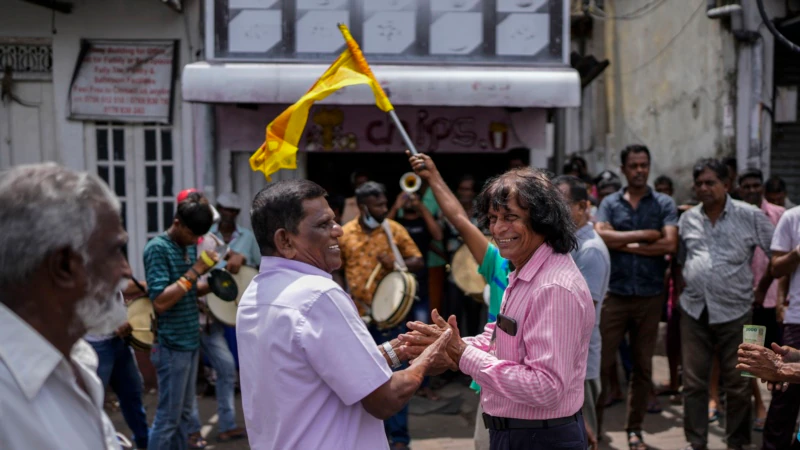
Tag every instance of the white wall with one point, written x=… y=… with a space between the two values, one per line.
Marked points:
x=105 y=19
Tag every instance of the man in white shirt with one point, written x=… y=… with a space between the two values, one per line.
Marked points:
x=61 y=265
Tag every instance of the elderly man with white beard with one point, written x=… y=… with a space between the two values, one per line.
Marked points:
x=61 y=266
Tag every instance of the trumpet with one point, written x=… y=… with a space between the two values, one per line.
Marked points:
x=410 y=182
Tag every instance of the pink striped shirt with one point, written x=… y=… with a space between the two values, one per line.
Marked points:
x=537 y=374
x=761 y=260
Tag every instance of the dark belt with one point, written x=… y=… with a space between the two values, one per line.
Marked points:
x=503 y=423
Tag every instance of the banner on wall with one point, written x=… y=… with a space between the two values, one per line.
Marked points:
x=335 y=128
x=124 y=81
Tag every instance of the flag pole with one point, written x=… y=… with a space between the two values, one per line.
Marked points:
x=406 y=137
x=361 y=61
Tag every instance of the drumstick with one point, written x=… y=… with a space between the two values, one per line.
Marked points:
x=372 y=276
x=138 y=285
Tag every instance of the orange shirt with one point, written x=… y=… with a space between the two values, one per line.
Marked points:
x=360 y=252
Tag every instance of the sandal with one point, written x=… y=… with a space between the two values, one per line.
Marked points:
x=713 y=415
x=635 y=441
x=196 y=441
x=231 y=435
x=654 y=407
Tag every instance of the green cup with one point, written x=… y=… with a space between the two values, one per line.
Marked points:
x=753 y=334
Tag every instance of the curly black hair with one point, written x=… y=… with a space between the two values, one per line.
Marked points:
x=548 y=214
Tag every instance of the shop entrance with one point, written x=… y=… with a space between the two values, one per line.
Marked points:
x=332 y=170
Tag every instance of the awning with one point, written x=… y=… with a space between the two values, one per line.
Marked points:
x=406 y=85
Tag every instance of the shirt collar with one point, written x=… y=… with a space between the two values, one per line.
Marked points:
x=728 y=207
x=273 y=263
x=30 y=358
x=215 y=229
x=622 y=192
x=531 y=268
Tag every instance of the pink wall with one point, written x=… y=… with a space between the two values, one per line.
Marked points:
x=367 y=129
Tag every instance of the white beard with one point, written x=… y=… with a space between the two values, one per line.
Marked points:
x=101 y=312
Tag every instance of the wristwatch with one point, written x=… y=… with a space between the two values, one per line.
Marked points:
x=387 y=347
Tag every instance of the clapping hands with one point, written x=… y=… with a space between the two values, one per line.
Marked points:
x=424 y=335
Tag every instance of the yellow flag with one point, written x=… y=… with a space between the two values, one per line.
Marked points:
x=279 y=150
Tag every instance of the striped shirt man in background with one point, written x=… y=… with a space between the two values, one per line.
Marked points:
x=718 y=239
x=531 y=363
x=172 y=269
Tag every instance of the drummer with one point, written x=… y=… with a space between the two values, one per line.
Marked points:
x=493 y=267
x=364 y=245
x=172 y=268
x=117 y=368
x=213 y=341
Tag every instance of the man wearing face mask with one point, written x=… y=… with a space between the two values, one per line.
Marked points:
x=172 y=269
x=61 y=264
x=364 y=245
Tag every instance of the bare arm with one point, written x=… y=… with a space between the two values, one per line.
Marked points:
x=434 y=227
x=665 y=245
x=784 y=263
x=617 y=240
x=174 y=293
x=451 y=208
x=391 y=396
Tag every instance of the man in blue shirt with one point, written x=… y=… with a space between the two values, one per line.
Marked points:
x=593 y=261
x=639 y=227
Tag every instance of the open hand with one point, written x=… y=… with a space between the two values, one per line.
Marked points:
x=425 y=335
x=435 y=357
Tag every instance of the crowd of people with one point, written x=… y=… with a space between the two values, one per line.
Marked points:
x=579 y=272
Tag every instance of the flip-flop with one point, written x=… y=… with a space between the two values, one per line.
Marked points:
x=758 y=424
x=654 y=407
x=196 y=441
x=713 y=415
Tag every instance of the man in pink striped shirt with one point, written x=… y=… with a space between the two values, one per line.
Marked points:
x=532 y=361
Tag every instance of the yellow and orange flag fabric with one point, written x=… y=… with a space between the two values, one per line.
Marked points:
x=279 y=150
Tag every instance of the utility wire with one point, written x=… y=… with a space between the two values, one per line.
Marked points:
x=671 y=41
x=633 y=15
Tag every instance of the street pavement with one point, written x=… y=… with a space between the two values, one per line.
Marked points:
x=454 y=431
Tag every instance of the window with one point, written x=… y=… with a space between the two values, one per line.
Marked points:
x=159 y=179
x=111 y=163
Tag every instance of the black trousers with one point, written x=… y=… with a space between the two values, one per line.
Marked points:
x=570 y=436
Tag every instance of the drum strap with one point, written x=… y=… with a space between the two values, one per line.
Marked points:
x=398 y=258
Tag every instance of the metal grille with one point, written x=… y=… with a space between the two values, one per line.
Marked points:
x=785 y=155
x=26 y=57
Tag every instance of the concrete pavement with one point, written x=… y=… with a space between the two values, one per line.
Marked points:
x=454 y=431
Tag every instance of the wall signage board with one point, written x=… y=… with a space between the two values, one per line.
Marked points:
x=467 y=32
x=124 y=81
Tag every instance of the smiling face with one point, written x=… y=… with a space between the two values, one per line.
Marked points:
x=512 y=233
x=317 y=239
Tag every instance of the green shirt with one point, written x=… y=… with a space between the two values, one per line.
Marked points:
x=165 y=262
x=495 y=270
x=429 y=200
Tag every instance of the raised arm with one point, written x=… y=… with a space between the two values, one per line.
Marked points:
x=451 y=208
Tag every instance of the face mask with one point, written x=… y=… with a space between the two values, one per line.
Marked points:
x=370 y=221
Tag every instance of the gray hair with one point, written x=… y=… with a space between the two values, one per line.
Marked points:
x=46 y=207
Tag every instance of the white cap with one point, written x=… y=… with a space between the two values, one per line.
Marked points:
x=229 y=200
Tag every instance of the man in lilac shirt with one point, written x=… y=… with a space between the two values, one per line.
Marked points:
x=531 y=363
x=311 y=375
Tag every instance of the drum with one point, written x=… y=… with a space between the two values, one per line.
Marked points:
x=225 y=311
x=465 y=274
x=141 y=317
x=393 y=299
